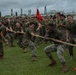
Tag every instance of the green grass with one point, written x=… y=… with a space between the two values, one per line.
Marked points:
x=17 y=63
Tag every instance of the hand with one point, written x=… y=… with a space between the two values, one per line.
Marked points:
x=45 y=38
x=6 y=41
x=67 y=40
x=18 y=31
x=37 y=35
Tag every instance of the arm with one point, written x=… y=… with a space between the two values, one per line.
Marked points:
x=33 y=34
x=11 y=29
x=7 y=29
x=1 y=34
x=39 y=26
x=67 y=35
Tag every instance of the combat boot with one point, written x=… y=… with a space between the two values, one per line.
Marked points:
x=1 y=57
x=65 y=68
x=34 y=58
x=71 y=57
x=12 y=45
x=53 y=62
x=25 y=50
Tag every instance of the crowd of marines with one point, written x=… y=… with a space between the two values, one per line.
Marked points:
x=26 y=30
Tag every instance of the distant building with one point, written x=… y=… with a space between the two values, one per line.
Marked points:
x=21 y=11
x=11 y=12
x=52 y=11
x=0 y=14
x=29 y=12
x=45 y=10
x=16 y=14
x=71 y=13
x=62 y=12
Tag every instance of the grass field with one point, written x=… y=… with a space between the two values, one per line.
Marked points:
x=17 y=63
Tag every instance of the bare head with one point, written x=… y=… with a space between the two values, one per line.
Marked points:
x=17 y=24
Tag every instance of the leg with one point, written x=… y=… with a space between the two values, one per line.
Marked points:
x=48 y=50
x=1 y=51
x=11 y=39
x=71 y=52
x=32 y=46
x=60 y=51
x=22 y=44
x=71 y=49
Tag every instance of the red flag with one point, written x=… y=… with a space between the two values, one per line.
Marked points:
x=38 y=15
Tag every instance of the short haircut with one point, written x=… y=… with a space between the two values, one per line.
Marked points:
x=31 y=23
x=70 y=15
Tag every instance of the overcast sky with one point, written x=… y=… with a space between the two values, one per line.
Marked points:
x=16 y=5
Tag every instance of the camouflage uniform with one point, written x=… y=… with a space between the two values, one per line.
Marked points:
x=71 y=27
x=59 y=47
x=19 y=35
x=4 y=30
x=10 y=36
x=58 y=22
x=1 y=45
x=62 y=28
x=41 y=32
x=56 y=46
x=36 y=26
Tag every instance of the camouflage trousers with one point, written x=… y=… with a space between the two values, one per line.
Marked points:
x=73 y=41
x=28 y=43
x=1 y=49
x=10 y=37
x=20 y=39
x=56 y=48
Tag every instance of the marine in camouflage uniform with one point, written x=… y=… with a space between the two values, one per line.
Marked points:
x=27 y=42
x=10 y=34
x=63 y=23
x=57 y=19
x=41 y=31
x=3 y=28
x=59 y=47
x=71 y=27
x=25 y=25
x=1 y=45
x=20 y=35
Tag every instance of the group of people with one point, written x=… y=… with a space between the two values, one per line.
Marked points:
x=28 y=31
